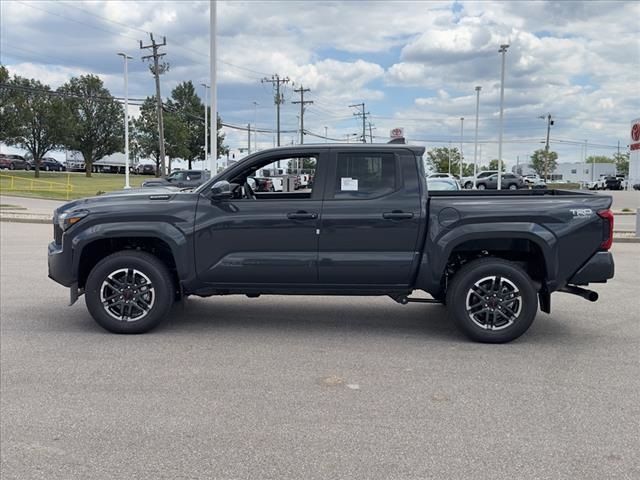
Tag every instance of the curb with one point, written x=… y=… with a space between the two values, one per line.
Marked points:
x=25 y=220
x=626 y=239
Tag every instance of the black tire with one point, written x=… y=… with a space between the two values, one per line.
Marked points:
x=12 y=166
x=481 y=186
x=513 y=186
x=497 y=328
x=160 y=296
x=468 y=185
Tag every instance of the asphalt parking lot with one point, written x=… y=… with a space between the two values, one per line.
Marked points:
x=305 y=388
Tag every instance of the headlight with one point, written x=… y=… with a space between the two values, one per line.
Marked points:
x=66 y=219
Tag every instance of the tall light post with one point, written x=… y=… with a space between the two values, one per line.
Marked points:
x=214 y=91
x=126 y=59
x=255 y=126
x=325 y=134
x=449 y=158
x=461 y=139
x=503 y=51
x=206 y=124
x=475 y=147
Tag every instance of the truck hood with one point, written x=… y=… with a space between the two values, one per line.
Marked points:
x=121 y=200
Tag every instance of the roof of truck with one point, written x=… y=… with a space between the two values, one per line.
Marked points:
x=418 y=149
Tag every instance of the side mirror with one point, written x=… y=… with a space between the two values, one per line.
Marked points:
x=221 y=190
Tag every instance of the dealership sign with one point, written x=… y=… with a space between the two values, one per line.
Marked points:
x=397 y=133
x=635 y=135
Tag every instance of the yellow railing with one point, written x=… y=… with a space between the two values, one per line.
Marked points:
x=14 y=183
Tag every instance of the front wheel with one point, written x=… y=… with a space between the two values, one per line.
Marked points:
x=468 y=185
x=482 y=186
x=513 y=186
x=129 y=292
x=492 y=300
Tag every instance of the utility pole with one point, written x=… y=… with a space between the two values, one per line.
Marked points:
x=278 y=98
x=370 y=133
x=248 y=139
x=546 y=145
x=302 y=103
x=449 y=158
x=325 y=134
x=213 y=73
x=362 y=114
x=503 y=51
x=158 y=69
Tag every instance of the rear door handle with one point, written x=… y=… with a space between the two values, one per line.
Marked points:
x=302 y=215
x=397 y=215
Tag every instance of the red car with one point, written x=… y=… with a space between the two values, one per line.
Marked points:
x=13 y=162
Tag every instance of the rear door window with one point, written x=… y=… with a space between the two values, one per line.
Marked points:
x=365 y=175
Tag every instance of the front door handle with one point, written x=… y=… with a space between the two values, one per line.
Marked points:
x=302 y=215
x=397 y=215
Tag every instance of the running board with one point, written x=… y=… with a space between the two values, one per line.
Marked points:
x=403 y=300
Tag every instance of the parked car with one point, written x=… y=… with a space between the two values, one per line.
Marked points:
x=612 y=183
x=467 y=182
x=534 y=181
x=181 y=178
x=261 y=184
x=510 y=181
x=442 y=183
x=13 y=162
x=48 y=164
x=145 y=169
x=441 y=175
x=370 y=226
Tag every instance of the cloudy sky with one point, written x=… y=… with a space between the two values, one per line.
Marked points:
x=414 y=64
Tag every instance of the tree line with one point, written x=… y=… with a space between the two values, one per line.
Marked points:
x=83 y=116
x=543 y=163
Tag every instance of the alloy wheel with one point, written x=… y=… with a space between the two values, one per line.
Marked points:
x=494 y=303
x=127 y=295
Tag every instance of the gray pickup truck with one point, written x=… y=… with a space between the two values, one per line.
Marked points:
x=367 y=226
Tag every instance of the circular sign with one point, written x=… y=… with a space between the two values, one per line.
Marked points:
x=635 y=132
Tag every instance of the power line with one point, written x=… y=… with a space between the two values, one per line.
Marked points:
x=67 y=95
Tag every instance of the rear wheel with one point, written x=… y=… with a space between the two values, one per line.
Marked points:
x=468 y=185
x=492 y=300
x=513 y=186
x=129 y=292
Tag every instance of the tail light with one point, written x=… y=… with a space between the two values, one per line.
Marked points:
x=607 y=229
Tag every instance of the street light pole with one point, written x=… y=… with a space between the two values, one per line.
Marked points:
x=206 y=125
x=503 y=50
x=255 y=126
x=461 y=139
x=214 y=91
x=126 y=59
x=475 y=147
x=325 y=134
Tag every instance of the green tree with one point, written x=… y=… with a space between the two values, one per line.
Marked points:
x=622 y=163
x=5 y=97
x=144 y=133
x=187 y=111
x=438 y=159
x=94 y=119
x=544 y=164
x=493 y=165
x=34 y=119
x=599 y=159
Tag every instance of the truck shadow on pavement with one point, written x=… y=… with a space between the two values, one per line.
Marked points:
x=313 y=316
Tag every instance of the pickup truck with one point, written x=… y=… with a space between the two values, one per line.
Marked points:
x=368 y=226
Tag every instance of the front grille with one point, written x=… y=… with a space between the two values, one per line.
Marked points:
x=57 y=234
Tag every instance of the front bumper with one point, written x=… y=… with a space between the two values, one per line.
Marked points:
x=598 y=269
x=60 y=263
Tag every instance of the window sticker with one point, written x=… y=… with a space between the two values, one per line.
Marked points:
x=348 y=184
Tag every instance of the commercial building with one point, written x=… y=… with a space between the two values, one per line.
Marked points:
x=574 y=172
